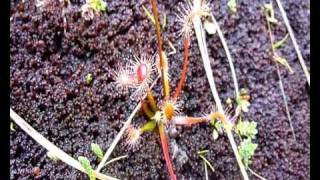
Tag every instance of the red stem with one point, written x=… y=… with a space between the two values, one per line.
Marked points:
x=165 y=150
x=162 y=63
x=186 y=45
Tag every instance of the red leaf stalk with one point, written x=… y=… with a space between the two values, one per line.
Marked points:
x=165 y=150
x=189 y=120
x=186 y=45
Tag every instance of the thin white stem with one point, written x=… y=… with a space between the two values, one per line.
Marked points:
x=296 y=47
x=119 y=135
x=115 y=159
x=285 y=102
x=236 y=153
x=206 y=170
x=256 y=174
x=205 y=58
x=230 y=60
x=280 y=81
x=206 y=62
x=51 y=147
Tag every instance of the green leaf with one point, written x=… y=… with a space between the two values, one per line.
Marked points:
x=95 y=148
x=232 y=4
x=243 y=100
x=212 y=122
x=279 y=44
x=148 y=126
x=246 y=151
x=283 y=62
x=98 y=5
x=52 y=156
x=89 y=78
x=247 y=129
x=218 y=125
x=85 y=163
x=243 y=104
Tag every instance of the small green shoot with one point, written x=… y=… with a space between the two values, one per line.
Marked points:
x=243 y=100
x=247 y=129
x=52 y=156
x=246 y=151
x=279 y=44
x=92 y=8
x=207 y=162
x=89 y=78
x=201 y=155
x=12 y=127
x=270 y=13
x=217 y=125
x=203 y=152
x=283 y=62
x=98 y=5
x=95 y=148
x=243 y=104
x=85 y=163
x=232 y=4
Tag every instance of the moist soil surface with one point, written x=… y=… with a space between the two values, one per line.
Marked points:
x=52 y=49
